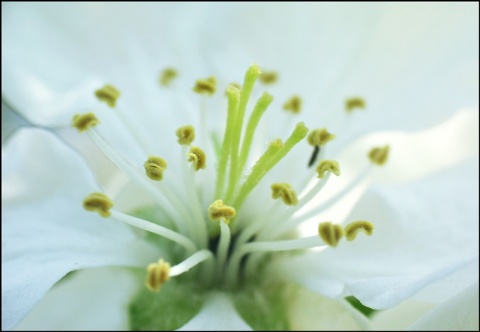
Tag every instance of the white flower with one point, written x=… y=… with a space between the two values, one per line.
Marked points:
x=390 y=55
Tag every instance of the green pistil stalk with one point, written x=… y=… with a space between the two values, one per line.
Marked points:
x=250 y=78
x=233 y=97
x=275 y=152
x=260 y=108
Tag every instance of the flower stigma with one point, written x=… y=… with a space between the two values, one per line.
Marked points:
x=231 y=250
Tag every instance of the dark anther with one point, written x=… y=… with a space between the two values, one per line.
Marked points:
x=314 y=156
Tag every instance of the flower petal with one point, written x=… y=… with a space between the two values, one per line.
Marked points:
x=424 y=231
x=412 y=62
x=311 y=311
x=401 y=316
x=460 y=313
x=69 y=306
x=45 y=231
x=217 y=314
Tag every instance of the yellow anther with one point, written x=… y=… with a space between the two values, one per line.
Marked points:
x=330 y=233
x=268 y=77
x=285 y=192
x=352 y=229
x=98 y=202
x=206 y=86
x=157 y=275
x=220 y=211
x=186 y=135
x=108 y=94
x=319 y=137
x=84 y=121
x=167 y=76
x=328 y=166
x=354 y=102
x=293 y=105
x=379 y=156
x=154 y=167
x=197 y=157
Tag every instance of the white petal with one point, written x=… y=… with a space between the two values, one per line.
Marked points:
x=69 y=306
x=45 y=231
x=412 y=62
x=400 y=316
x=217 y=314
x=424 y=231
x=310 y=311
x=460 y=313
x=11 y=121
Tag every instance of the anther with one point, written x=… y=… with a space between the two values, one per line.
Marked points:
x=327 y=166
x=108 y=94
x=379 y=155
x=220 y=211
x=197 y=157
x=330 y=233
x=319 y=137
x=167 y=76
x=157 y=275
x=353 y=103
x=268 y=77
x=285 y=192
x=352 y=229
x=293 y=105
x=99 y=203
x=206 y=86
x=154 y=167
x=85 y=121
x=186 y=135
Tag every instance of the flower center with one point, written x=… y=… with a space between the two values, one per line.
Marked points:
x=223 y=243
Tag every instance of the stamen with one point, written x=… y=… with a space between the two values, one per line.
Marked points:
x=353 y=103
x=351 y=230
x=319 y=137
x=98 y=202
x=199 y=231
x=84 y=122
x=197 y=258
x=342 y=193
x=108 y=94
x=328 y=166
x=268 y=77
x=154 y=168
x=293 y=105
x=173 y=206
x=157 y=275
x=223 y=245
x=167 y=76
x=285 y=192
x=271 y=246
x=313 y=157
x=285 y=222
x=185 y=134
x=379 y=155
x=330 y=233
x=270 y=158
x=148 y=226
x=206 y=86
x=219 y=211
x=197 y=157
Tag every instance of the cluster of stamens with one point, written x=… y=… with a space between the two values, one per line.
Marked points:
x=236 y=237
